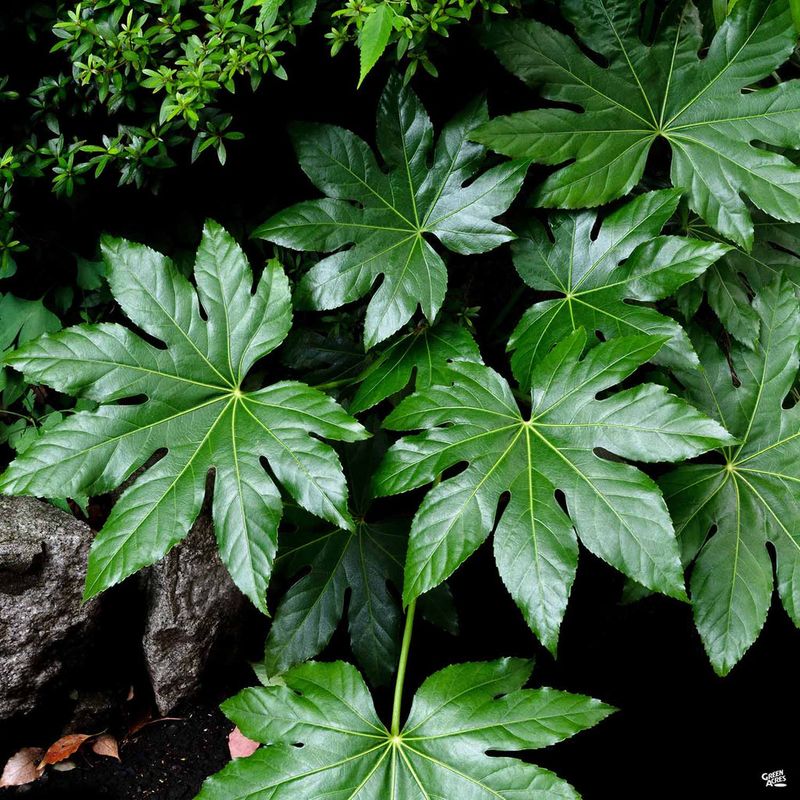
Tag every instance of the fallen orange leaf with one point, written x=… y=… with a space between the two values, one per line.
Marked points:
x=146 y=720
x=21 y=767
x=63 y=748
x=139 y=723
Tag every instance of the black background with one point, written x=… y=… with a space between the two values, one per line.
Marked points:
x=681 y=731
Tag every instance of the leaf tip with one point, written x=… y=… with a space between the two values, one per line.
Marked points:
x=551 y=645
x=89 y=592
x=722 y=666
x=678 y=592
x=606 y=709
x=212 y=228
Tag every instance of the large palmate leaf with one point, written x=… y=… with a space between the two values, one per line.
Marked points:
x=617 y=510
x=388 y=218
x=696 y=105
x=195 y=408
x=753 y=497
x=729 y=283
x=423 y=353
x=595 y=291
x=457 y=715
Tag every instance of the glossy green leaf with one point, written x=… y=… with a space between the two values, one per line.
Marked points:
x=423 y=353
x=329 y=358
x=457 y=715
x=698 y=106
x=333 y=561
x=194 y=407
x=20 y=321
x=363 y=561
x=751 y=498
x=603 y=280
x=617 y=510
x=730 y=282
x=389 y=217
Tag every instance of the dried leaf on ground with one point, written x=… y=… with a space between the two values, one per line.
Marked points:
x=21 y=767
x=106 y=745
x=63 y=748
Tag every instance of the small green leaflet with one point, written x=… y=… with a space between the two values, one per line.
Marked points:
x=23 y=320
x=751 y=498
x=665 y=90
x=595 y=291
x=364 y=562
x=423 y=353
x=374 y=36
x=729 y=283
x=326 y=359
x=269 y=10
x=618 y=511
x=458 y=714
x=388 y=217
x=195 y=408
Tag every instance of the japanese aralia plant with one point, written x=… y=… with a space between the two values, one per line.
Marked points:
x=615 y=367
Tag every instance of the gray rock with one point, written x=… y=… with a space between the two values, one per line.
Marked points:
x=44 y=628
x=193 y=611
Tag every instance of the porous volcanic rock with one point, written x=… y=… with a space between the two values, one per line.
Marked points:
x=44 y=627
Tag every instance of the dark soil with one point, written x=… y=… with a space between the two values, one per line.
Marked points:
x=164 y=761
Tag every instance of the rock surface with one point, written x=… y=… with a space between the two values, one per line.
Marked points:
x=193 y=608
x=44 y=628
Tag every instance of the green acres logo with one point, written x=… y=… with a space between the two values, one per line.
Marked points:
x=776 y=778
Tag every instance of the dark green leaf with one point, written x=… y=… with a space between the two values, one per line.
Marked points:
x=457 y=715
x=596 y=290
x=730 y=282
x=664 y=90
x=195 y=409
x=423 y=353
x=23 y=320
x=363 y=562
x=388 y=217
x=617 y=510
x=751 y=498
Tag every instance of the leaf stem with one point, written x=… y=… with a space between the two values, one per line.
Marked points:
x=506 y=309
x=21 y=416
x=401 y=668
x=333 y=384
